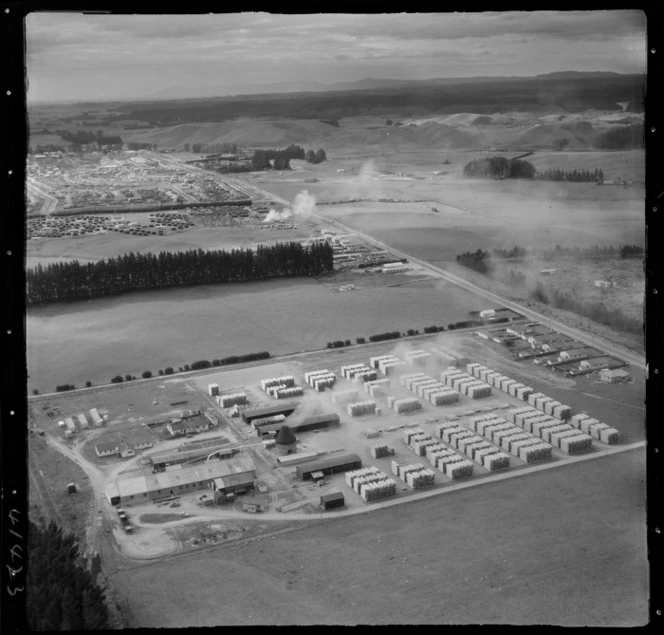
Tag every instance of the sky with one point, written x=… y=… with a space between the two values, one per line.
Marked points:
x=105 y=57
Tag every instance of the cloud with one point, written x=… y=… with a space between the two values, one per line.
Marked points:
x=230 y=48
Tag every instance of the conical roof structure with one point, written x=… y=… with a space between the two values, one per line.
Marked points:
x=285 y=436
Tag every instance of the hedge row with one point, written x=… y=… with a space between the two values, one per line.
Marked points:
x=198 y=365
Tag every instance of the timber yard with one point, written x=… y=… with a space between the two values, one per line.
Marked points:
x=382 y=368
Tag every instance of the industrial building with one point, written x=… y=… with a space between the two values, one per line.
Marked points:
x=142 y=489
x=332 y=501
x=278 y=409
x=161 y=460
x=285 y=441
x=226 y=487
x=317 y=422
x=329 y=465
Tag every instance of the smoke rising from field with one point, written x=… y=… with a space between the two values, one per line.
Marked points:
x=303 y=206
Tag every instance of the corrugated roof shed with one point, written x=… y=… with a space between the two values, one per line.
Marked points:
x=234 y=480
x=332 y=417
x=256 y=413
x=166 y=480
x=334 y=496
x=328 y=462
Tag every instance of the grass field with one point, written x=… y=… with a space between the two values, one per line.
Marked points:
x=57 y=472
x=471 y=214
x=96 y=247
x=74 y=343
x=564 y=547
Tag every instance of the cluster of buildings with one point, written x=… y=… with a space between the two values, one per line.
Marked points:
x=127 y=444
x=547 y=347
x=123 y=179
x=231 y=477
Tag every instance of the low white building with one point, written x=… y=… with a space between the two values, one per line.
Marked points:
x=613 y=375
x=110 y=448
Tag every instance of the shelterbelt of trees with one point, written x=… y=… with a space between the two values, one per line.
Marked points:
x=499 y=168
x=72 y=281
x=61 y=596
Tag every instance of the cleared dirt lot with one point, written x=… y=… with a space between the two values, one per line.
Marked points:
x=73 y=343
x=563 y=547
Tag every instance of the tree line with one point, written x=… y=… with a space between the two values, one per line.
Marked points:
x=60 y=596
x=478 y=260
x=521 y=253
x=281 y=158
x=72 y=281
x=202 y=148
x=576 y=176
x=623 y=138
x=82 y=137
x=499 y=168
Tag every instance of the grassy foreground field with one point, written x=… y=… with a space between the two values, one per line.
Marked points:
x=74 y=343
x=564 y=547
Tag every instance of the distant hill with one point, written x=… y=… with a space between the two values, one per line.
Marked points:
x=368 y=83
x=576 y=135
x=480 y=97
x=577 y=74
x=308 y=133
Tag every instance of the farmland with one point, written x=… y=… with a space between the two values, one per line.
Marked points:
x=580 y=560
x=561 y=542
x=487 y=214
x=94 y=341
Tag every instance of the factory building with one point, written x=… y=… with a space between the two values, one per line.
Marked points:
x=317 y=422
x=161 y=460
x=142 y=489
x=278 y=409
x=329 y=465
x=225 y=488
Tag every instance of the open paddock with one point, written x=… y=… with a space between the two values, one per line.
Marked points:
x=563 y=547
x=73 y=343
x=112 y=244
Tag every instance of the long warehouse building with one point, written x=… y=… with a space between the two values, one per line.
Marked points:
x=278 y=409
x=160 y=460
x=318 y=422
x=329 y=465
x=141 y=489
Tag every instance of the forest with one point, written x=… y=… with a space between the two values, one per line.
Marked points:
x=575 y=176
x=624 y=138
x=499 y=168
x=60 y=596
x=72 y=281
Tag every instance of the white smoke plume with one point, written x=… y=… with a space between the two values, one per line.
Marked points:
x=274 y=216
x=303 y=205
